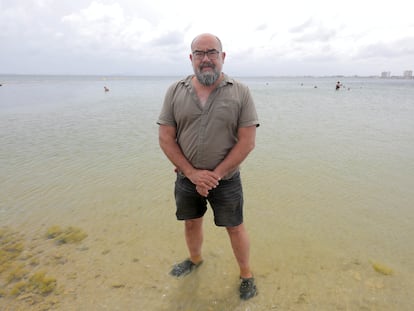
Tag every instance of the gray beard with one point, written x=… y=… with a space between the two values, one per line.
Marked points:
x=207 y=78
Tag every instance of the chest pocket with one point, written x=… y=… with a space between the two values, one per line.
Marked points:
x=225 y=113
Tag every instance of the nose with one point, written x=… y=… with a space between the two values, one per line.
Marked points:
x=205 y=56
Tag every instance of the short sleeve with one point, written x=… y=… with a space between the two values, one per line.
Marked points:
x=166 y=116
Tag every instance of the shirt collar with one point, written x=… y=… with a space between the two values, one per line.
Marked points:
x=226 y=80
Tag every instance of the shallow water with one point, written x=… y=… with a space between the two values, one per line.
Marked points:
x=328 y=191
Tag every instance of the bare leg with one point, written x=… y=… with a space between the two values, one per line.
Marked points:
x=241 y=248
x=194 y=238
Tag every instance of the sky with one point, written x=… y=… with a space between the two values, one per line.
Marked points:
x=260 y=37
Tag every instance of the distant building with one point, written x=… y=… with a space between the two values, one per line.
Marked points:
x=385 y=74
x=408 y=74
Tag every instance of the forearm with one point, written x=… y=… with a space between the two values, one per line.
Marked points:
x=245 y=144
x=235 y=157
x=174 y=153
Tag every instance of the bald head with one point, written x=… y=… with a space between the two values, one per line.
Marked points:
x=206 y=36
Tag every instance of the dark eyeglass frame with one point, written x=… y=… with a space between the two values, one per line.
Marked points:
x=211 y=54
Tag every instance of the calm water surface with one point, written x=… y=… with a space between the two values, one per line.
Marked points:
x=328 y=192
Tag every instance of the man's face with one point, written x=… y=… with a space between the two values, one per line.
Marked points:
x=207 y=59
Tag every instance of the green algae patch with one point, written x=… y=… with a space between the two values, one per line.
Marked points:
x=25 y=279
x=16 y=265
x=381 y=268
x=18 y=288
x=17 y=273
x=41 y=284
x=53 y=232
x=65 y=235
x=11 y=246
x=15 y=277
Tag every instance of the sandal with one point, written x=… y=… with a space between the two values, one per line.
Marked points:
x=247 y=288
x=184 y=268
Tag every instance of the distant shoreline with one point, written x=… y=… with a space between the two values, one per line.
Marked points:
x=174 y=76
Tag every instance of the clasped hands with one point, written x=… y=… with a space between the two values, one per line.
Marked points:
x=204 y=180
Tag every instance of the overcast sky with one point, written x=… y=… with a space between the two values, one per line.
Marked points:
x=140 y=37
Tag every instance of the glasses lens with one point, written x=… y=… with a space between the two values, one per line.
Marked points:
x=199 y=54
x=212 y=54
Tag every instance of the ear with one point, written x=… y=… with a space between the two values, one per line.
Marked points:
x=191 y=57
x=223 y=56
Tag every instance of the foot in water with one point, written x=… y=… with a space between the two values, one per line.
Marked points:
x=184 y=268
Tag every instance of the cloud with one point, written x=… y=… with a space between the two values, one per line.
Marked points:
x=302 y=27
x=173 y=38
x=149 y=37
x=402 y=50
x=312 y=31
x=108 y=28
x=262 y=27
x=106 y=25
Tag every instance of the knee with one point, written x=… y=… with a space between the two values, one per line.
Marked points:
x=236 y=229
x=193 y=224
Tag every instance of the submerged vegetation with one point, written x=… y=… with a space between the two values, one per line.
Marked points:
x=11 y=246
x=23 y=275
x=66 y=235
x=38 y=283
x=381 y=268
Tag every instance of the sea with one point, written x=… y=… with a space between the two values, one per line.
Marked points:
x=329 y=200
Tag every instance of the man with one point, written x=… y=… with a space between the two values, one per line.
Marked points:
x=207 y=128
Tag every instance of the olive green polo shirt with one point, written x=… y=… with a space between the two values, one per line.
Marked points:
x=207 y=134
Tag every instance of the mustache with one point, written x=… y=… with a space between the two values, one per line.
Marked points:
x=207 y=65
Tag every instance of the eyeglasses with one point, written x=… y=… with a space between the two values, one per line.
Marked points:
x=211 y=54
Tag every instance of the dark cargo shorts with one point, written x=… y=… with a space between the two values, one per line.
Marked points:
x=226 y=200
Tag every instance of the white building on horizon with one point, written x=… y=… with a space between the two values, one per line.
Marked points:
x=386 y=74
x=408 y=74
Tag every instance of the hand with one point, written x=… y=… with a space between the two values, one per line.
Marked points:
x=204 y=179
x=202 y=191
